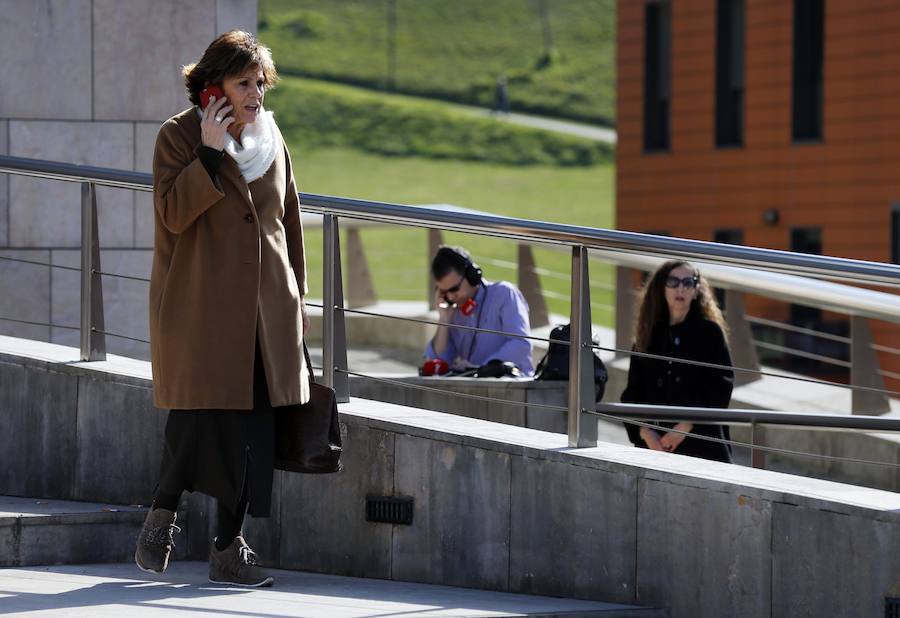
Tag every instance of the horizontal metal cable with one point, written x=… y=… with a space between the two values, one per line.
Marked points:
x=39 y=323
x=103 y=332
x=793 y=352
x=797 y=329
x=885 y=348
x=21 y=261
x=558 y=296
x=771 y=449
x=673 y=359
x=118 y=276
x=447 y=324
x=889 y=374
x=756 y=447
x=770 y=374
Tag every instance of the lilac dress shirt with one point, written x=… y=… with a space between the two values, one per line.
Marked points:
x=500 y=307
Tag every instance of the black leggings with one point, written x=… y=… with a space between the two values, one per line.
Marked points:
x=229 y=522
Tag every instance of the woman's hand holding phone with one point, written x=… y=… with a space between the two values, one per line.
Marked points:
x=215 y=123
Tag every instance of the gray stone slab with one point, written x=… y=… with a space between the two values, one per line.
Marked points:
x=713 y=547
x=814 y=553
x=236 y=15
x=542 y=418
x=125 y=302
x=263 y=534
x=144 y=143
x=4 y=188
x=198 y=517
x=39 y=531
x=145 y=63
x=37 y=428
x=25 y=294
x=47 y=213
x=460 y=531
x=577 y=533
x=107 y=590
x=120 y=442
x=60 y=30
x=323 y=526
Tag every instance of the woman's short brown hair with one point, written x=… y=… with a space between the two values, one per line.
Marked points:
x=230 y=54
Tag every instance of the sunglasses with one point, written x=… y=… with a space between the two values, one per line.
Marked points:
x=454 y=289
x=689 y=283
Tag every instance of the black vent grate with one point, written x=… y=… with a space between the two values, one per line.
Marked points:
x=892 y=607
x=389 y=510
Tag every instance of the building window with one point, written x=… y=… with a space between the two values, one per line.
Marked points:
x=895 y=233
x=657 y=74
x=809 y=31
x=729 y=72
x=728 y=236
x=806 y=240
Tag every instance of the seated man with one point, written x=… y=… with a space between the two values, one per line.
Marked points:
x=463 y=297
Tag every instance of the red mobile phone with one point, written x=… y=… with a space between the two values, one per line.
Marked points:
x=210 y=91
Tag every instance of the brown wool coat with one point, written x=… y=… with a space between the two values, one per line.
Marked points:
x=228 y=267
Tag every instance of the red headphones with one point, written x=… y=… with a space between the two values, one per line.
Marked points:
x=434 y=367
x=468 y=307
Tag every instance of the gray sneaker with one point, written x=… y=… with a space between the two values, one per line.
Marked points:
x=155 y=541
x=237 y=565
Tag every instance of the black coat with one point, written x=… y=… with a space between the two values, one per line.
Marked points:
x=662 y=382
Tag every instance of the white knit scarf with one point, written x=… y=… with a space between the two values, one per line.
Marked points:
x=256 y=150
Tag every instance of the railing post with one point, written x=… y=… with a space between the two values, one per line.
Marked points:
x=93 y=341
x=360 y=290
x=334 y=336
x=582 y=432
x=624 y=310
x=530 y=286
x=741 y=338
x=757 y=457
x=864 y=369
x=435 y=240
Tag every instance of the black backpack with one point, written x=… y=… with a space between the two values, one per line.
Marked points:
x=555 y=364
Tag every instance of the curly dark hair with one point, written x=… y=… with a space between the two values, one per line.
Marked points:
x=230 y=54
x=654 y=310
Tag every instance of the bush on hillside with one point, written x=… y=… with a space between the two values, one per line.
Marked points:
x=320 y=114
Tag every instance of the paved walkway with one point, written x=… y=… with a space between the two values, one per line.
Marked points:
x=121 y=590
x=587 y=131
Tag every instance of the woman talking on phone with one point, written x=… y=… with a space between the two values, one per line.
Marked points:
x=679 y=318
x=227 y=316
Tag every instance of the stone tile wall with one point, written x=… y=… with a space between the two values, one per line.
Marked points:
x=107 y=75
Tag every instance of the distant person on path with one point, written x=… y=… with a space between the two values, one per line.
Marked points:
x=227 y=316
x=465 y=298
x=501 y=95
x=678 y=317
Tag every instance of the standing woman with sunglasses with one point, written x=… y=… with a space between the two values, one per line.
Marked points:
x=678 y=318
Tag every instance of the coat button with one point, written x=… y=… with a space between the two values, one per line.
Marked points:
x=248 y=218
x=659 y=383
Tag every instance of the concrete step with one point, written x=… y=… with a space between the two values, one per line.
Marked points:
x=118 y=590
x=39 y=531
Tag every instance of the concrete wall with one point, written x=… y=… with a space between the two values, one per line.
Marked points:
x=93 y=81
x=496 y=507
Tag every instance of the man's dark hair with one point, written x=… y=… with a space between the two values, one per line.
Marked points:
x=449 y=258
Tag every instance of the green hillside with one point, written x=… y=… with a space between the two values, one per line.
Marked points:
x=314 y=113
x=558 y=55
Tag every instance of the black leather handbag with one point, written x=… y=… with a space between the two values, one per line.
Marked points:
x=308 y=436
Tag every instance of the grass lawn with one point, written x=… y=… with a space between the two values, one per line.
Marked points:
x=456 y=50
x=397 y=256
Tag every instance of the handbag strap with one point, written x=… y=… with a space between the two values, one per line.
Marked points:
x=312 y=376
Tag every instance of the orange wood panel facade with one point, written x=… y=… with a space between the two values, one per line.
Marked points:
x=845 y=184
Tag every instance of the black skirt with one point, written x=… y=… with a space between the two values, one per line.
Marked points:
x=226 y=454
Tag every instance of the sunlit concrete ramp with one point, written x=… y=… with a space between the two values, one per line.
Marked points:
x=495 y=507
x=116 y=590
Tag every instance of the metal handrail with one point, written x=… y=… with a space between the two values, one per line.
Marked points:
x=603 y=239
x=543 y=232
